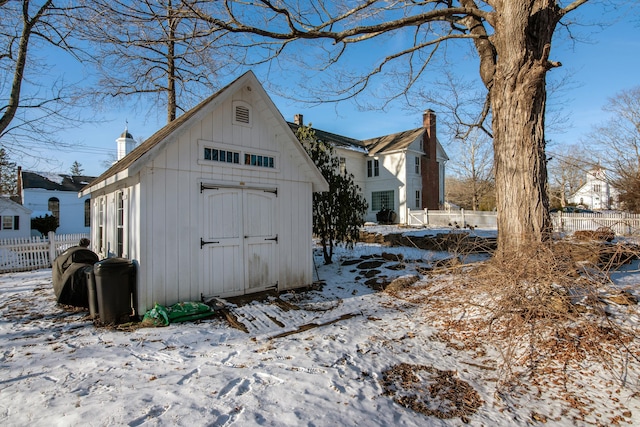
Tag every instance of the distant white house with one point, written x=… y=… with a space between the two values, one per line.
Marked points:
x=596 y=193
x=56 y=194
x=15 y=219
x=400 y=171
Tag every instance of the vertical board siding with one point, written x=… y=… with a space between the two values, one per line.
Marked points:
x=168 y=207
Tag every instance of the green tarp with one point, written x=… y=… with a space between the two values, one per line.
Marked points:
x=160 y=315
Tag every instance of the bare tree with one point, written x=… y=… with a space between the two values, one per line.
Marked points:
x=619 y=143
x=154 y=48
x=472 y=165
x=29 y=109
x=512 y=40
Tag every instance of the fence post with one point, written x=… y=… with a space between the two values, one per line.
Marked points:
x=52 y=246
x=464 y=221
x=426 y=216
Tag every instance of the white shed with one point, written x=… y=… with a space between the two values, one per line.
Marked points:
x=216 y=203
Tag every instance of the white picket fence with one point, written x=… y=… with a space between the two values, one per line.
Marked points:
x=32 y=253
x=623 y=224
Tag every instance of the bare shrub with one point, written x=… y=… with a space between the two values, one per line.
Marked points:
x=549 y=311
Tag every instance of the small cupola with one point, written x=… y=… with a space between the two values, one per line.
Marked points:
x=126 y=143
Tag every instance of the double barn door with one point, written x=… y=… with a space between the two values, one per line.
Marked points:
x=239 y=241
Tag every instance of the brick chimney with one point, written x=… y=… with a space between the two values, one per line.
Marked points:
x=429 y=164
x=19 y=187
x=297 y=119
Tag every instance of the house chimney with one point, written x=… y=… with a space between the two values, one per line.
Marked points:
x=297 y=119
x=125 y=143
x=19 y=186
x=429 y=167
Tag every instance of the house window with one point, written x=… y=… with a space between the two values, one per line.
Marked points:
x=10 y=222
x=343 y=165
x=226 y=156
x=418 y=200
x=382 y=200
x=417 y=165
x=54 y=207
x=119 y=224
x=597 y=188
x=373 y=168
x=87 y=213
x=258 y=160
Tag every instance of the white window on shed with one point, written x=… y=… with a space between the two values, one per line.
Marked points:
x=241 y=113
x=120 y=224
x=101 y=221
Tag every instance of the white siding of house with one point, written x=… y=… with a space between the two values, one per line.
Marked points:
x=71 y=208
x=356 y=164
x=12 y=209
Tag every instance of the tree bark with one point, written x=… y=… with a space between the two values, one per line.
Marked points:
x=522 y=41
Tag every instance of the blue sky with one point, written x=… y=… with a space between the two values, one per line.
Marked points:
x=609 y=62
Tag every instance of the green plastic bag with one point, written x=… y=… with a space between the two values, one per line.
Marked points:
x=157 y=316
x=184 y=311
x=160 y=315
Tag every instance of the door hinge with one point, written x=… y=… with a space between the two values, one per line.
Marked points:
x=273 y=238
x=207 y=187
x=202 y=242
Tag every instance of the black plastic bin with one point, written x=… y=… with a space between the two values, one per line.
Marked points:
x=115 y=286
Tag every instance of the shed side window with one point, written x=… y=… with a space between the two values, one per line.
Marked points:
x=119 y=224
x=101 y=220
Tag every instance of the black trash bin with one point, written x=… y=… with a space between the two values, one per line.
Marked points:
x=115 y=285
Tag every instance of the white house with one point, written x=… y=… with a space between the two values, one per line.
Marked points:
x=15 y=219
x=596 y=192
x=401 y=171
x=57 y=195
x=216 y=203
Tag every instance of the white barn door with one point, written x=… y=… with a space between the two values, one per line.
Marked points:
x=260 y=240
x=238 y=242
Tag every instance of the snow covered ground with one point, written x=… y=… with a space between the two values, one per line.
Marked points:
x=314 y=358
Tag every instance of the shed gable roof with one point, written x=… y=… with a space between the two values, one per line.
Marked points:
x=133 y=161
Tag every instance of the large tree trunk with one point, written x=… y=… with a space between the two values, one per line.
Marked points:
x=522 y=42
